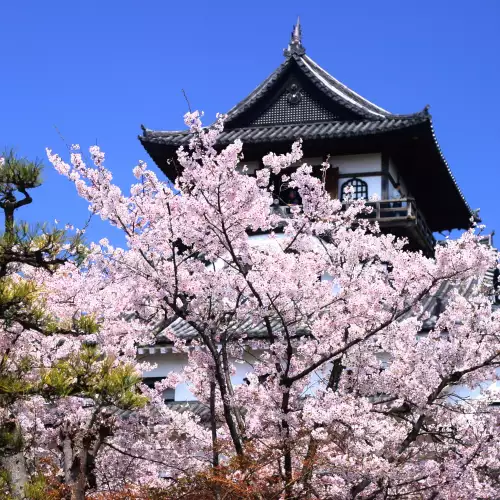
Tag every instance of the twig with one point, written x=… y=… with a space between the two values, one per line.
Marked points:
x=187 y=100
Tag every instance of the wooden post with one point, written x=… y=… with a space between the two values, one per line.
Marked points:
x=332 y=182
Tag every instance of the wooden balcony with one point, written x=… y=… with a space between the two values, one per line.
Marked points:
x=397 y=216
x=403 y=218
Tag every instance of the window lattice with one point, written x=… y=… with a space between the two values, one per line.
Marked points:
x=296 y=107
x=360 y=187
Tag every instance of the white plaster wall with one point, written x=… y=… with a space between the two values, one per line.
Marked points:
x=353 y=164
x=371 y=162
x=167 y=363
x=347 y=164
x=175 y=362
x=359 y=164
x=487 y=385
x=243 y=367
x=171 y=362
x=314 y=161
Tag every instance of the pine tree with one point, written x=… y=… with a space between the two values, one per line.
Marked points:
x=19 y=308
x=29 y=257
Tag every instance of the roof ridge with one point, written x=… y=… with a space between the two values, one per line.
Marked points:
x=343 y=92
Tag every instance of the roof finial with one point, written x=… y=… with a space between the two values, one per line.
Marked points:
x=295 y=46
x=297 y=32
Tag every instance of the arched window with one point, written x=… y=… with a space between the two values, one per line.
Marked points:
x=360 y=189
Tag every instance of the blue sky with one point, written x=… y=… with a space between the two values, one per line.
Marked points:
x=93 y=71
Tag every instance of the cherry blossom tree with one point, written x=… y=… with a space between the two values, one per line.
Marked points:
x=348 y=397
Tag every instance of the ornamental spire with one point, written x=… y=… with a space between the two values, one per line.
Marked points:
x=297 y=32
x=295 y=46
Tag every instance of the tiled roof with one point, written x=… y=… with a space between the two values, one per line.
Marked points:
x=277 y=133
x=436 y=303
x=432 y=306
x=246 y=329
x=325 y=82
x=196 y=407
x=342 y=91
x=364 y=111
x=333 y=88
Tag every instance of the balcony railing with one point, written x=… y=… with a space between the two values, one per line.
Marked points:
x=401 y=212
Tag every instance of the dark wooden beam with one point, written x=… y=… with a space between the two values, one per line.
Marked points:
x=385 y=176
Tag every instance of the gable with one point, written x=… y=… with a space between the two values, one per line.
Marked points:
x=291 y=95
x=294 y=104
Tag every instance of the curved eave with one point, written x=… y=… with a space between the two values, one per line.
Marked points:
x=450 y=173
x=439 y=195
x=290 y=132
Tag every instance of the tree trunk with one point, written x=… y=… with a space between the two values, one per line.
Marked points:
x=13 y=460
x=237 y=412
x=287 y=451
x=233 y=431
x=78 y=489
x=9 y=221
x=15 y=465
x=74 y=470
x=77 y=478
x=80 y=451
x=213 y=426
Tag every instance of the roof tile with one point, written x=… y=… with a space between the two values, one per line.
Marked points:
x=292 y=132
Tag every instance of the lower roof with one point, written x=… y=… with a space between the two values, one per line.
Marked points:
x=289 y=132
x=432 y=306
